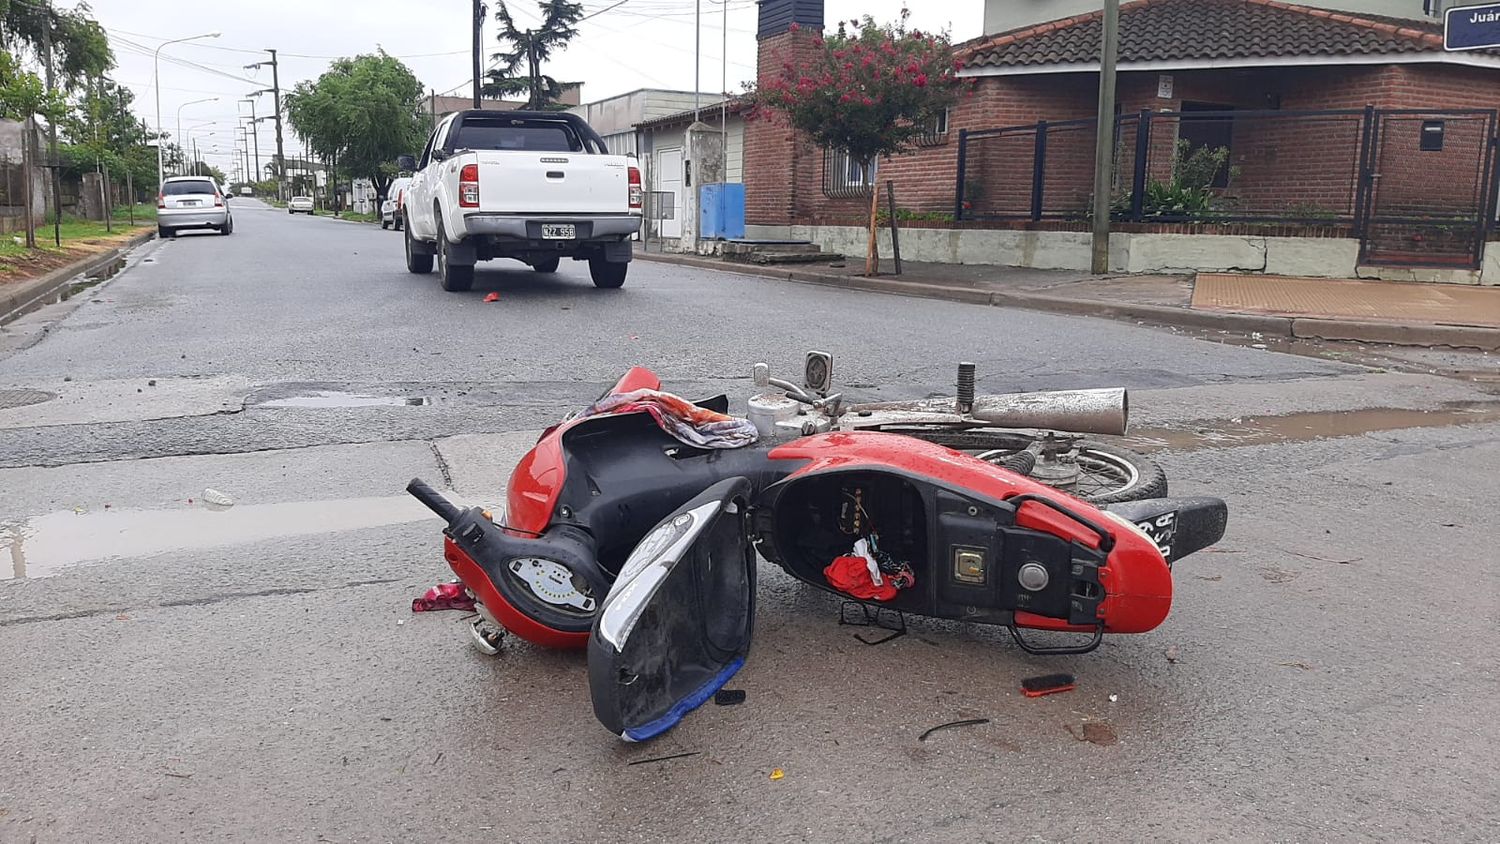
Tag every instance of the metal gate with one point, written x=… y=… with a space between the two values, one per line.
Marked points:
x=1427 y=187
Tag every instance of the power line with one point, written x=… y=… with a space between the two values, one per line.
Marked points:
x=247 y=50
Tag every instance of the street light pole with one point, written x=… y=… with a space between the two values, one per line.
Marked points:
x=180 y=150
x=1104 y=141
x=156 y=65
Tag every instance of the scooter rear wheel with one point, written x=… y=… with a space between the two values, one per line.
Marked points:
x=1107 y=474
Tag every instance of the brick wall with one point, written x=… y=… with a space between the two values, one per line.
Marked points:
x=1302 y=165
x=776 y=157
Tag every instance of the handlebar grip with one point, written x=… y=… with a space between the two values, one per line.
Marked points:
x=434 y=500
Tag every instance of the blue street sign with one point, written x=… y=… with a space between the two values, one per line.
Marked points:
x=1472 y=27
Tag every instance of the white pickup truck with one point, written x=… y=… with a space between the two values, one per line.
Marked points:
x=534 y=186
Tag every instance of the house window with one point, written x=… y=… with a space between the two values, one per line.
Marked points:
x=847 y=177
x=937 y=131
x=1432 y=136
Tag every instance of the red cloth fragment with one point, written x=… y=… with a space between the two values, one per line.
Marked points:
x=444 y=596
x=493 y=297
x=851 y=576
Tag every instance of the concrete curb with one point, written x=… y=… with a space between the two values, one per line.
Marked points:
x=27 y=296
x=1400 y=334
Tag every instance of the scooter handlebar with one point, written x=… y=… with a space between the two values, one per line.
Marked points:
x=434 y=500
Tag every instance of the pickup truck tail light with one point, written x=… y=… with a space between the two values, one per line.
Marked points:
x=468 y=186
x=636 y=193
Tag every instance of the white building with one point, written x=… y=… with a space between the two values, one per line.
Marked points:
x=615 y=118
x=662 y=143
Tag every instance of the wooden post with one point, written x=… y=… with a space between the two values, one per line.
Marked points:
x=872 y=254
x=890 y=204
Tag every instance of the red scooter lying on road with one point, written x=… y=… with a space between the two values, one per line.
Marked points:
x=621 y=538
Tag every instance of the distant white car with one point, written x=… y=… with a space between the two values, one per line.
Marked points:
x=299 y=205
x=395 y=198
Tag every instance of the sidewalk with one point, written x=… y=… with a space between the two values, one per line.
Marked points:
x=1400 y=313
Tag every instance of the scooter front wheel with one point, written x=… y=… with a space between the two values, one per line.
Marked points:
x=1099 y=473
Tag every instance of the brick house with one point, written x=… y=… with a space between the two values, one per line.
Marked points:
x=1338 y=125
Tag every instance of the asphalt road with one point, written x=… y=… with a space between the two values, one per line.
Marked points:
x=172 y=672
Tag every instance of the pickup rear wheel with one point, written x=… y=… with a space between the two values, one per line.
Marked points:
x=457 y=278
x=417 y=261
x=606 y=275
x=547 y=265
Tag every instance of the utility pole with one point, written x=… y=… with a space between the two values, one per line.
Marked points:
x=478 y=38
x=432 y=107
x=129 y=182
x=1104 y=142
x=255 y=136
x=52 y=131
x=698 y=54
x=724 y=94
x=534 y=100
x=280 y=149
x=104 y=198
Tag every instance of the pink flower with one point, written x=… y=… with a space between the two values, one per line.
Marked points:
x=795 y=27
x=920 y=81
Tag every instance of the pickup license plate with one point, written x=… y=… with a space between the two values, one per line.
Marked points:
x=559 y=231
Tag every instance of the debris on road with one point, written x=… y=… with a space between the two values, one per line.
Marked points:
x=1173 y=654
x=1048 y=684
x=777 y=774
x=1095 y=732
x=216 y=498
x=664 y=758
x=1302 y=665
x=969 y=722
x=493 y=297
x=729 y=697
x=1114 y=698
x=1276 y=575
x=444 y=596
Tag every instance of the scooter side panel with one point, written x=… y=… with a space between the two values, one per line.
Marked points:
x=1136 y=579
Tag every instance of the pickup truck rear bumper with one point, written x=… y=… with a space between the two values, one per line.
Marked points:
x=530 y=228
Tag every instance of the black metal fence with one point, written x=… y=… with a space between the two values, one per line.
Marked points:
x=1417 y=186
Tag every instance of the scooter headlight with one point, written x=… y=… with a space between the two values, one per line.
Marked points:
x=647 y=566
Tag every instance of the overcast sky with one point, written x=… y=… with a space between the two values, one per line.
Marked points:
x=639 y=44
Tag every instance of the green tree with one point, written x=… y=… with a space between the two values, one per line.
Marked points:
x=360 y=114
x=80 y=47
x=868 y=91
x=518 y=69
x=24 y=97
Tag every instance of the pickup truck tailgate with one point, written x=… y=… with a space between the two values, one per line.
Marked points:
x=560 y=183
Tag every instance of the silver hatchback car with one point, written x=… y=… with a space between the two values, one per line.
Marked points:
x=191 y=202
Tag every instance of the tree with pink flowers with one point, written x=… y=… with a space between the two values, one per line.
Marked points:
x=869 y=91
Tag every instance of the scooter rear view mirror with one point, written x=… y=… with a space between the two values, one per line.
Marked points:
x=817 y=372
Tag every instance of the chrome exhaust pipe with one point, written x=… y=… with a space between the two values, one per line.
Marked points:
x=1105 y=411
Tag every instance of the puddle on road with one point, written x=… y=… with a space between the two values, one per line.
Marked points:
x=1303 y=427
x=333 y=398
x=47 y=545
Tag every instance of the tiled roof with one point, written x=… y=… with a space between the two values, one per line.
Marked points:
x=1166 y=30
